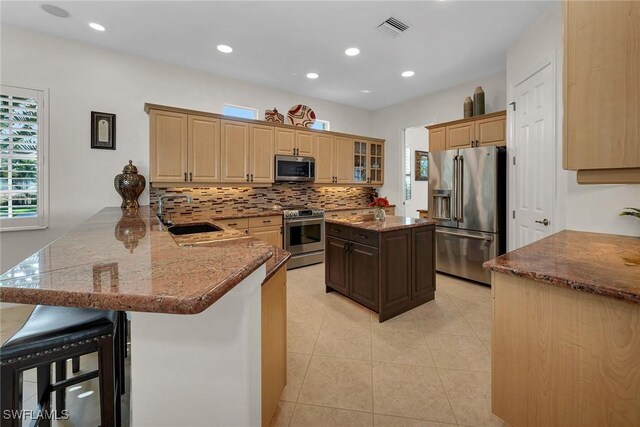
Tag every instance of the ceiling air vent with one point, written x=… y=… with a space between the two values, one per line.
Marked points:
x=393 y=27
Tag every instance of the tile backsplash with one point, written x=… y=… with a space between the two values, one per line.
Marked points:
x=243 y=199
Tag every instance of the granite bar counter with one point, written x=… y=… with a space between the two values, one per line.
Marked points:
x=391 y=223
x=566 y=331
x=194 y=303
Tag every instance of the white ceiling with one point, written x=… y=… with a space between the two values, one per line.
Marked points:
x=278 y=43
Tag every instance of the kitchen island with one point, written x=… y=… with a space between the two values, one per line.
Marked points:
x=566 y=331
x=195 y=304
x=387 y=266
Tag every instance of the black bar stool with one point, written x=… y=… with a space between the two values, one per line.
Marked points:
x=55 y=334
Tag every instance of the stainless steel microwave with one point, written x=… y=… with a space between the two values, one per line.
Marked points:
x=295 y=168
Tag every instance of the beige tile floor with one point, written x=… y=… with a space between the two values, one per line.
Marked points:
x=430 y=366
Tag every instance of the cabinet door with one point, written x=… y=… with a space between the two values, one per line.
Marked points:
x=234 y=153
x=360 y=161
x=344 y=160
x=274 y=342
x=337 y=265
x=423 y=274
x=325 y=158
x=602 y=88
x=261 y=154
x=271 y=235
x=461 y=135
x=285 y=141
x=363 y=275
x=491 y=131
x=168 y=151
x=395 y=279
x=204 y=149
x=304 y=143
x=437 y=139
x=376 y=163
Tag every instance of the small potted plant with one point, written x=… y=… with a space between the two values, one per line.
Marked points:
x=378 y=205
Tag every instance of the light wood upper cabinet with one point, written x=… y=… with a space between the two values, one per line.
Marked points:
x=344 y=160
x=437 y=139
x=204 y=149
x=602 y=91
x=491 y=131
x=325 y=154
x=460 y=136
x=261 y=154
x=168 y=146
x=234 y=139
x=376 y=163
x=285 y=141
x=304 y=143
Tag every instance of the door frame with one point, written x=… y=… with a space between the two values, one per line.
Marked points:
x=550 y=60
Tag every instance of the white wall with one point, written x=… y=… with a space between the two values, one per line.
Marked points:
x=81 y=78
x=579 y=207
x=418 y=139
x=389 y=123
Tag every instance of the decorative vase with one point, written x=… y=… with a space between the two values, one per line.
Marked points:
x=468 y=107
x=379 y=214
x=273 y=116
x=478 y=101
x=129 y=184
x=130 y=229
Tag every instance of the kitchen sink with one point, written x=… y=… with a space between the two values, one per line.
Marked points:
x=179 y=230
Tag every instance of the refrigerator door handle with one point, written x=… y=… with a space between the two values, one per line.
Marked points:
x=467 y=236
x=459 y=194
x=454 y=202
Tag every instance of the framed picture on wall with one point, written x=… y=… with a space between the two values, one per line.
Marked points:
x=103 y=130
x=422 y=166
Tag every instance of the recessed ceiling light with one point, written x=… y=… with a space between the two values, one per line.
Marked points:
x=408 y=74
x=224 y=48
x=352 y=51
x=312 y=75
x=55 y=10
x=96 y=27
x=365 y=91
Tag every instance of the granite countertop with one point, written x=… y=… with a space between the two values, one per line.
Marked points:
x=350 y=208
x=130 y=262
x=391 y=223
x=600 y=264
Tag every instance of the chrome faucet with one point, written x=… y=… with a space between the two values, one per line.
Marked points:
x=164 y=197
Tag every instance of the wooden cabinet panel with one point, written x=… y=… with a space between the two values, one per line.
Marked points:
x=234 y=151
x=168 y=146
x=274 y=342
x=204 y=149
x=602 y=87
x=363 y=272
x=304 y=143
x=285 y=141
x=238 y=223
x=261 y=154
x=262 y=221
x=325 y=154
x=460 y=136
x=395 y=263
x=344 y=160
x=423 y=264
x=437 y=139
x=337 y=264
x=271 y=235
x=376 y=163
x=491 y=131
x=391 y=210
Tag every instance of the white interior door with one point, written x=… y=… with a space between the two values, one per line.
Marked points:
x=415 y=138
x=535 y=162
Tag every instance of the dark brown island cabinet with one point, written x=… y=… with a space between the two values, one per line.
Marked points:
x=388 y=266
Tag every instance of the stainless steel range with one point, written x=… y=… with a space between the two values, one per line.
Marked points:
x=303 y=235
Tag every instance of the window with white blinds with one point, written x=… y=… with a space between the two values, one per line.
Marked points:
x=23 y=142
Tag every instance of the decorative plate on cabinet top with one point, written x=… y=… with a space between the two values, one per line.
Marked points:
x=301 y=115
x=273 y=116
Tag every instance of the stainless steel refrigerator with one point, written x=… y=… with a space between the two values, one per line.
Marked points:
x=468 y=201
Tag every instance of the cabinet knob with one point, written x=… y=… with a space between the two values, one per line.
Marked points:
x=251 y=177
x=190 y=176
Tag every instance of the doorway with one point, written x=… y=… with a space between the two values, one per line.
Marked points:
x=533 y=151
x=415 y=193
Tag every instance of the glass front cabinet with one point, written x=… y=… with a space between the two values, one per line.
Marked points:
x=368 y=162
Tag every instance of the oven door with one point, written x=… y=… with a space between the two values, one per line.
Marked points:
x=292 y=168
x=303 y=235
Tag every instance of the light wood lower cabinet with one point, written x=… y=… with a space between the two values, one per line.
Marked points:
x=271 y=235
x=274 y=342
x=268 y=228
